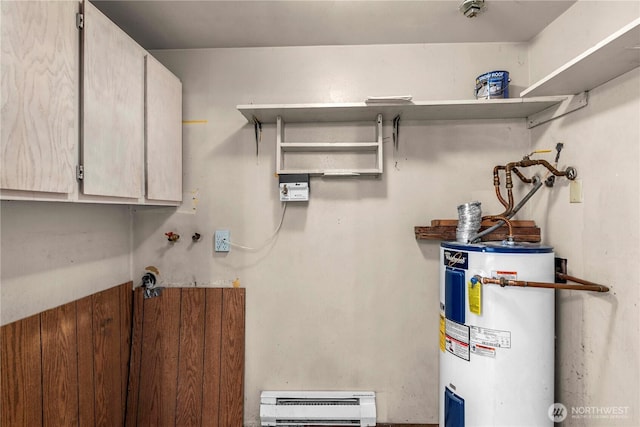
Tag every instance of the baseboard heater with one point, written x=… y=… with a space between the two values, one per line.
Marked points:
x=317 y=408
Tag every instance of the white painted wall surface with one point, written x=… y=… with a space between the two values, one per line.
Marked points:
x=581 y=27
x=344 y=298
x=53 y=253
x=597 y=336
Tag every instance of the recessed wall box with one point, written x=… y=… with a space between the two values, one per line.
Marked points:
x=294 y=187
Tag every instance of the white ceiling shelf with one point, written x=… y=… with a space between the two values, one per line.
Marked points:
x=612 y=57
x=419 y=110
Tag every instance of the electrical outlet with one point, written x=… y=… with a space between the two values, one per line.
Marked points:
x=222 y=241
x=575 y=191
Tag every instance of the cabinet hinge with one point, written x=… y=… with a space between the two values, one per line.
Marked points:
x=80 y=21
x=80 y=172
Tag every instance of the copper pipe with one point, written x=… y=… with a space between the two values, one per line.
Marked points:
x=522 y=177
x=525 y=284
x=536 y=186
x=528 y=162
x=563 y=276
x=505 y=220
x=500 y=198
x=510 y=201
x=513 y=166
x=496 y=184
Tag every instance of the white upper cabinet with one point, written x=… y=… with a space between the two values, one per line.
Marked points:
x=75 y=101
x=113 y=109
x=163 y=133
x=40 y=81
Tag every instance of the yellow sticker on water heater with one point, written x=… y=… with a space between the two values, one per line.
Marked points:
x=442 y=333
x=474 y=290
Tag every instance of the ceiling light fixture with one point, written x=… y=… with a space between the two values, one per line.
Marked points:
x=471 y=8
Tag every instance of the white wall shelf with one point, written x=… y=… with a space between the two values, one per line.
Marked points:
x=610 y=58
x=324 y=148
x=535 y=110
x=420 y=110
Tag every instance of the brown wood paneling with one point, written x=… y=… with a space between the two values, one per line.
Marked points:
x=159 y=363
x=187 y=349
x=126 y=318
x=106 y=362
x=64 y=366
x=21 y=386
x=212 y=345
x=191 y=358
x=86 y=384
x=59 y=366
x=232 y=358
x=170 y=326
x=148 y=395
x=133 y=388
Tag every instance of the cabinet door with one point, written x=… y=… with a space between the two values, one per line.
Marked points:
x=163 y=133
x=113 y=109
x=40 y=81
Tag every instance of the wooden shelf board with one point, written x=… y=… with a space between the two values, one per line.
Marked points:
x=420 y=110
x=445 y=230
x=612 y=57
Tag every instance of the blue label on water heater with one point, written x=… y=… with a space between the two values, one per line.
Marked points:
x=456 y=259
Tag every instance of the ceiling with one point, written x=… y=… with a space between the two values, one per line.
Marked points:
x=184 y=24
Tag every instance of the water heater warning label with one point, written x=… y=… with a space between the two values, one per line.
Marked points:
x=457 y=339
x=490 y=337
x=483 y=350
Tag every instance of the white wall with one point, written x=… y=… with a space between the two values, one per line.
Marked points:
x=54 y=253
x=597 y=336
x=582 y=26
x=344 y=298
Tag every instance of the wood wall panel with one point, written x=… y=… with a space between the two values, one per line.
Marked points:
x=159 y=360
x=183 y=354
x=20 y=363
x=135 y=363
x=232 y=359
x=86 y=385
x=106 y=361
x=187 y=358
x=149 y=405
x=170 y=324
x=126 y=319
x=212 y=346
x=59 y=366
x=63 y=366
x=191 y=358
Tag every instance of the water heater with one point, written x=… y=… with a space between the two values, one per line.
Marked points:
x=496 y=343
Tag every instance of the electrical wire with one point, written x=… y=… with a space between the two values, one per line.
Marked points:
x=268 y=240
